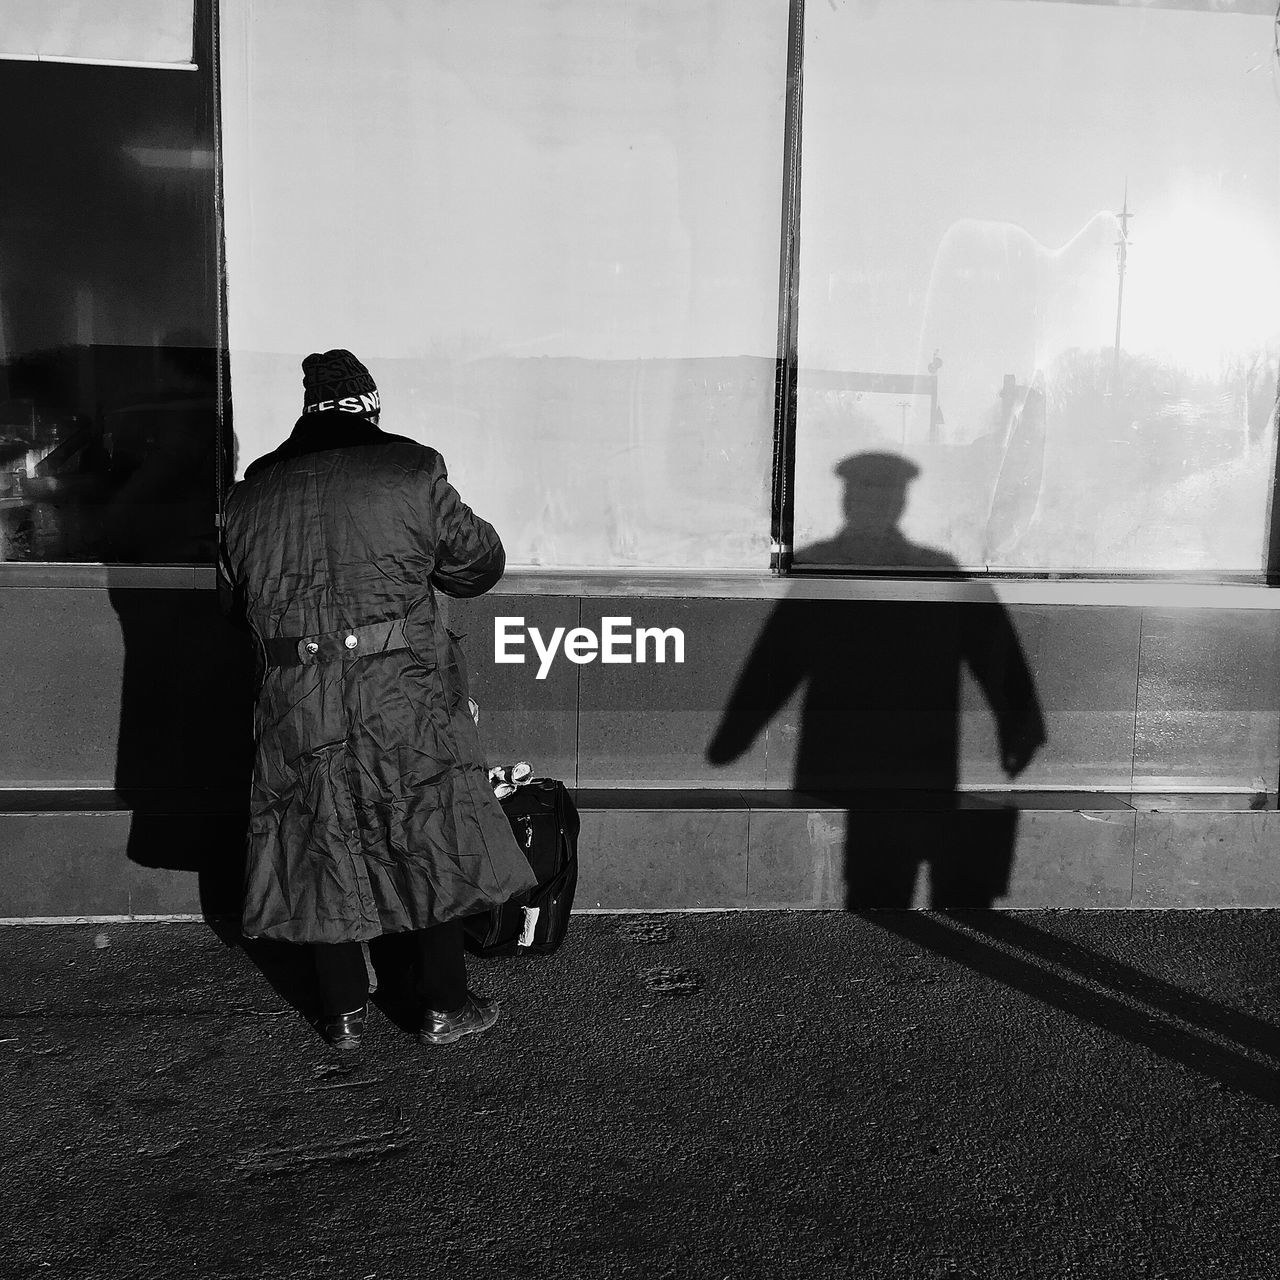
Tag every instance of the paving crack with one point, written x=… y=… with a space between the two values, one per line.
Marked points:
x=295 y=1159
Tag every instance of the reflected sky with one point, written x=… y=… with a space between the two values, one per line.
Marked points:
x=987 y=146
x=964 y=167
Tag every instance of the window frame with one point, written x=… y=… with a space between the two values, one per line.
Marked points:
x=782 y=533
x=197 y=575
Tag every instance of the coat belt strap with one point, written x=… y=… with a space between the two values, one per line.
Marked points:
x=348 y=644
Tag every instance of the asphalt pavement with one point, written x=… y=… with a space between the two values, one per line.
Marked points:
x=986 y=1095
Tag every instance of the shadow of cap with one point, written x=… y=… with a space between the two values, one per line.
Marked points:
x=877 y=471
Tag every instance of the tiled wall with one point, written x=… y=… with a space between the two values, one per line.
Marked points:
x=120 y=688
x=728 y=855
x=1207 y=698
x=144 y=688
x=142 y=691
x=829 y=858
x=1130 y=697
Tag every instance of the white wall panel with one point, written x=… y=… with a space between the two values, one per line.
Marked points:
x=549 y=227
x=148 y=31
x=963 y=169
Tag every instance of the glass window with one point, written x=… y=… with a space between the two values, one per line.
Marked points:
x=109 y=299
x=549 y=228
x=1040 y=258
x=138 y=31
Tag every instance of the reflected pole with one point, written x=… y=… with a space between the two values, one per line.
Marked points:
x=1122 y=258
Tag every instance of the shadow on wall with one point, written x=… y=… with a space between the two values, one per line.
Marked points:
x=184 y=765
x=881 y=704
x=185 y=746
x=880 y=712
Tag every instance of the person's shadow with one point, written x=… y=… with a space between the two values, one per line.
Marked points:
x=878 y=733
x=184 y=751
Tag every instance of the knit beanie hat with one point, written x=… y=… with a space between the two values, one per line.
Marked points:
x=337 y=380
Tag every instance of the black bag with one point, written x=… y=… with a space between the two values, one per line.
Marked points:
x=545 y=822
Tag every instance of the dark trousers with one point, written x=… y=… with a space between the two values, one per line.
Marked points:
x=435 y=955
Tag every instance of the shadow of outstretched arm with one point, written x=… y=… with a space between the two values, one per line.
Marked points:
x=996 y=659
x=769 y=676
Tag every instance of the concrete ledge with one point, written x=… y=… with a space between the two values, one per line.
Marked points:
x=67 y=855
x=795 y=850
x=1150 y=590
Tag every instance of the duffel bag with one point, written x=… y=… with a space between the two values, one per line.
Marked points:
x=545 y=823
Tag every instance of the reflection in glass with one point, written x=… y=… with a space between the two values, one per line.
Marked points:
x=108 y=314
x=553 y=241
x=1039 y=256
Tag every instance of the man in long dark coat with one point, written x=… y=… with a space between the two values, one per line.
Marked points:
x=371 y=810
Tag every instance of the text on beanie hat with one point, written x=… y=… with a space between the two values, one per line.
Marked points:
x=337 y=380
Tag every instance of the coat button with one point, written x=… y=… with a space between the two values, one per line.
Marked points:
x=312 y=647
x=350 y=642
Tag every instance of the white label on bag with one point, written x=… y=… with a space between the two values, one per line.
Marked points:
x=530 y=924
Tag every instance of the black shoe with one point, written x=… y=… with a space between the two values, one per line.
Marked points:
x=476 y=1014
x=343 y=1030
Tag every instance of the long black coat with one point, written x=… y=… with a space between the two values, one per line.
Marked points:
x=371 y=810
